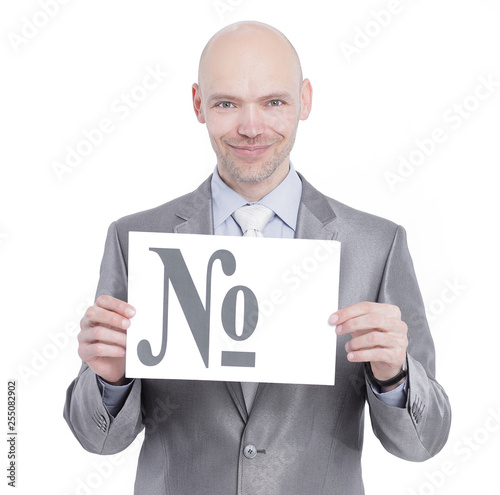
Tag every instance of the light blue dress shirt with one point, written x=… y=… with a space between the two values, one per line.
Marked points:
x=284 y=200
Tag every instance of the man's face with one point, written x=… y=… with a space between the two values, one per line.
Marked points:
x=251 y=97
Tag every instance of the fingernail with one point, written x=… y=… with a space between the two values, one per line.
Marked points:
x=333 y=319
x=130 y=312
x=350 y=356
x=339 y=329
x=125 y=323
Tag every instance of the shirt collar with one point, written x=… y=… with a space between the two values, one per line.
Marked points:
x=284 y=199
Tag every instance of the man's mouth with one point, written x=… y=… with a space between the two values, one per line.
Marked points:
x=250 y=150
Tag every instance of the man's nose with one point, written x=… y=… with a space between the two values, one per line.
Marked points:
x=251 y=121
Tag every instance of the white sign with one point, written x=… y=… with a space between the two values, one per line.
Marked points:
x=232 y=308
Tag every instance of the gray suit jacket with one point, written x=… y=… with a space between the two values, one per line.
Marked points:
x=308 y=438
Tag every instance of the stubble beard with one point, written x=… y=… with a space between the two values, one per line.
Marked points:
x=242 y=173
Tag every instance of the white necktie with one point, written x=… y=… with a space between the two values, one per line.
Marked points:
x=252 y=219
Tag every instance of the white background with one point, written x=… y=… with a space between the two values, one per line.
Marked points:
x=367 y=111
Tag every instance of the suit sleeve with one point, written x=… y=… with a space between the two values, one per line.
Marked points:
x=420 y=430
x=84 y=411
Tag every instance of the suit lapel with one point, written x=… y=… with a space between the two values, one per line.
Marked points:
x=316 y=218
x=195 y=212
x=238 y=399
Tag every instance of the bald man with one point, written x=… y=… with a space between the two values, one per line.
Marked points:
x=270 y=439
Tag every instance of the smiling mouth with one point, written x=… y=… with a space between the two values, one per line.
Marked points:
x=250 y=150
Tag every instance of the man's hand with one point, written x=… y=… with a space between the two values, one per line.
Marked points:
x=378 y=336
x=102 y=338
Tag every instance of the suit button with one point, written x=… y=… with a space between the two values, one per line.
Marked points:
x=249 y=451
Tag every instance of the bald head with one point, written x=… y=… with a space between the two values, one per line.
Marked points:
x=251 y=96
x=248 y=43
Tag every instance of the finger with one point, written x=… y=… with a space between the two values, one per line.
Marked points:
x=115 y=305
x=385 y=363
x=96 y=315
x=363 y=308
x=90 y=352
x=368 y=322
x=370 y=340
x=104 y=335
x=376 y=354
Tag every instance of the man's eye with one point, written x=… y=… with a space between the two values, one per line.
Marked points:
x=275 y=103
x=225 y=104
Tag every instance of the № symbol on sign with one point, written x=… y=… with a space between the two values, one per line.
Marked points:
x=197 y=315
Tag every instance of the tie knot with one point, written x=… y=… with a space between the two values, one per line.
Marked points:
x=252 y=219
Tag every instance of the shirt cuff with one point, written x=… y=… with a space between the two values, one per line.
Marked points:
x=114 y=396
x=395 y=397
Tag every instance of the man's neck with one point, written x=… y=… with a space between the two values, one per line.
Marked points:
x=255 y=191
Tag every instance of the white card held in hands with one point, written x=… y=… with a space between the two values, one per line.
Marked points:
x=232 y=308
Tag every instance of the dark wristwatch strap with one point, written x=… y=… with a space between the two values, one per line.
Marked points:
x=386 y=383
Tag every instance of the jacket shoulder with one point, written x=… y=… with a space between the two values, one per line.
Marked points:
x=358 y=219
x=165 y=217
x=346 y=219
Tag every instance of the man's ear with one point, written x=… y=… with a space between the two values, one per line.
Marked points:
x=197 y=104
x=305 y=99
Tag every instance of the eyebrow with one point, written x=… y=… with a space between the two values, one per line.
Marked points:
x=283 y=95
